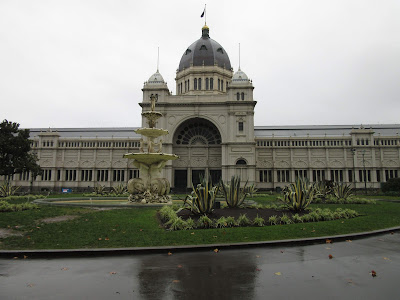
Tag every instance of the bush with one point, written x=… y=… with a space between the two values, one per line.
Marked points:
x=259 y=221
x=233 y=193
x=273 y=220
x=204 y=222
x=342 y=191
x=298 y=195
x=8 y=207
x=243 y=220
x=391 y=186
x=230 y=222
x=221 y=223
x=285 y=219
x=190 y=224
x=176 y=224
x=202 y=199
x=6 y=189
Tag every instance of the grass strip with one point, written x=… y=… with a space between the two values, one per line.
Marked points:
x=139 y=227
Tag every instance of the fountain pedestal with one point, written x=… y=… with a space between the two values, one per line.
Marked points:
x=150 y=187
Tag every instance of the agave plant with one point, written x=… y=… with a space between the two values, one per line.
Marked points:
x=120 y=189
x=322 y=189
x=6 y=189
x=99 y=189
x=201 y=200
x=251 y=190
x=298 y=195
x=342 y=191
x=233 y=193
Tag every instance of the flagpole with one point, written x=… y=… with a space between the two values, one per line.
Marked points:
x=158 y=58
x=205 y=14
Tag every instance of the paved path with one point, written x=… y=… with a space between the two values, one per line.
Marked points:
x=298 y=272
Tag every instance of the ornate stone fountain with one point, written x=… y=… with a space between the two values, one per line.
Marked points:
x=150 y=187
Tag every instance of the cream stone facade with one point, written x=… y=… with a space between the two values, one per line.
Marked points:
x=211 y=127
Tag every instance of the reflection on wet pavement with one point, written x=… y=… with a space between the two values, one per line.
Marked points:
x=253 y=273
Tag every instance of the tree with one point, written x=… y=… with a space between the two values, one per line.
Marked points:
x=15 y=151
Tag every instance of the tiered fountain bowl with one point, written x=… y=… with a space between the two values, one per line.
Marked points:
x=150 y=187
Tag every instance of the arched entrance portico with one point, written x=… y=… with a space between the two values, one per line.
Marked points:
x=197 y=141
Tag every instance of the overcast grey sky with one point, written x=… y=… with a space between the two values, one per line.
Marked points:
x=83 y=63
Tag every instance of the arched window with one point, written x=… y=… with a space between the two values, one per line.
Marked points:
x=207 y=83
x=222 y=85
x=219 y=84
x=195 y=83
x=188 y=85
x=237 y=96
x=241 y=162
x=199 y=83
x=211 y=83
x=242 y=96
x=185 y=85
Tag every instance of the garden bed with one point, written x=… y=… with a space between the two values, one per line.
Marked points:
x=251 y=213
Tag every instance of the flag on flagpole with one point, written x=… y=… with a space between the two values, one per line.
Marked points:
x=202 y=15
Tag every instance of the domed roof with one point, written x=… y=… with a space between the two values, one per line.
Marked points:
x=205 y=51
x=156 y=78
x=239 y=77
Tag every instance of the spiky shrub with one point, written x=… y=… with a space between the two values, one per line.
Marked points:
x=251 y=190
x=342 y=191
x=285 y=219
x=230 y=222
x=243 y=220
x=6 y=189
x=297 y=219
x=259 y=221
x=221 y=223
x=99 y=189
x=120 y=189
x=327 y=215
x=177 y=224
x=190 y=224
x=204 y=222
x=201 y=200
x=322 y=189
x=298 y=195
x=167 y=213
x=234 y=195
x=9 y=207
x=273 y=220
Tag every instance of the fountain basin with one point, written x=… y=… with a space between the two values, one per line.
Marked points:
x=151 y=132
x=151 y=158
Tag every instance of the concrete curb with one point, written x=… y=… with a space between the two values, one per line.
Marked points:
x=58 y=253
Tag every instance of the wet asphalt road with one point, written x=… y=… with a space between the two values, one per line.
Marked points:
x=298 y=272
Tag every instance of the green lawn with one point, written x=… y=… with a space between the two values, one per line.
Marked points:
x=139 y=227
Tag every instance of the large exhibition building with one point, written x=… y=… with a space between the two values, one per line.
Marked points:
x=211 y=127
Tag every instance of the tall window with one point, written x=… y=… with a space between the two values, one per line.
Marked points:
x=265 y=175
x=199 y=83
x=188 y=87
x=222 y=85
x=211 y=83
x=195 y=83
x=242 y=96
x=241 y=126
x=207 y=84
x=219 y=84
x=237 y=96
